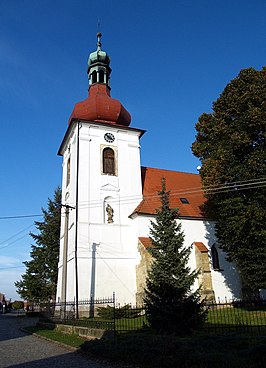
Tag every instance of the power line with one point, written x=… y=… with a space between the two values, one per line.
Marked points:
x=9 y=268
x=117 y=277
x=17 y=217
x=227 y=187
x=193 y=191
x=8 y=245
x=13 y=236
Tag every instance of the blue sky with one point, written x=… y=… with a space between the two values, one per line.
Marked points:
x=170 y=59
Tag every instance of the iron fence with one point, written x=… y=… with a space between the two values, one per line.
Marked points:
x=236 y=316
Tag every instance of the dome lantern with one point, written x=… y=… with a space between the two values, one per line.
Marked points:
x=98 y=65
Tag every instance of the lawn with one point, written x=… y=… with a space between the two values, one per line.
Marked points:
x=146 y=350
x=71 y=340
x=242 y=320
x=237 y=316
x=199 y=351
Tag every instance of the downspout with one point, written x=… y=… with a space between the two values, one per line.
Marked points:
x=76 y=230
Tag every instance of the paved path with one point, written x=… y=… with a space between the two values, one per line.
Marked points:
x=21 y=350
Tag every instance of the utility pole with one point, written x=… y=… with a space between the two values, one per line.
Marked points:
x=65 y=250
x=93 y=269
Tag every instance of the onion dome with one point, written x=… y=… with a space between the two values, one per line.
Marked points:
x=99 y=106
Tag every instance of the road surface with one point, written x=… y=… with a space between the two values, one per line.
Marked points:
x=21 y=350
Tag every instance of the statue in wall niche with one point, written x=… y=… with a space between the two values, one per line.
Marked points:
x=110 y=214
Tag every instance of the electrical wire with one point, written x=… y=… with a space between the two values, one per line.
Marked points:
x=11 y=267
x=8 y=245
x=118 y=278
x=229 y=187
x=13 y=236
x=17 y=217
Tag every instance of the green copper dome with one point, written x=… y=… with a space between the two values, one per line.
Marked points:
x=98 y=56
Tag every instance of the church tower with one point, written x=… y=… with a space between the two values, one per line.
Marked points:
x=101 y=187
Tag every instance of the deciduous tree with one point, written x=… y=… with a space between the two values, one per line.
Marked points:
x=230 y=143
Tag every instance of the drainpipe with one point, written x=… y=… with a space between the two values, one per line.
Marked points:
x=76 y=230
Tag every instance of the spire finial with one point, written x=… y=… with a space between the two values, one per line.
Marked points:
x=99 y=44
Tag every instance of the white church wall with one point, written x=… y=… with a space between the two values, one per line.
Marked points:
x=114 y=244
x=226 y=282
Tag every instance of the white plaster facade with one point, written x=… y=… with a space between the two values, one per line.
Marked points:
x=115 y=252
x=226 y=281
x=104 y=255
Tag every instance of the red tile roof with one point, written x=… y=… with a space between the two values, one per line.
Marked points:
x=181 y=185
x=201 y=247
x=146 y=242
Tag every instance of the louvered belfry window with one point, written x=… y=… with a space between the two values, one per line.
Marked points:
x=108 y=161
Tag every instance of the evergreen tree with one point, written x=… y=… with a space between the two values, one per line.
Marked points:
x=171 y=305
x=40 y=279
x=230 y=143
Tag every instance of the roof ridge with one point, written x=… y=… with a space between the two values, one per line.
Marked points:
x=182 y=172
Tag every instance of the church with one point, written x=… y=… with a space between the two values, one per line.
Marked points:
x=109 y=201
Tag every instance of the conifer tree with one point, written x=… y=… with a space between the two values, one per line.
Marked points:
x=231 y=144
x=171 y=305
x=39 y=280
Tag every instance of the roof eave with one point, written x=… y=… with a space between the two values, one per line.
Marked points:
x=139 y=213
x=75 y=120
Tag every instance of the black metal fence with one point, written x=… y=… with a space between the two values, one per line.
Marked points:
x=237 y=316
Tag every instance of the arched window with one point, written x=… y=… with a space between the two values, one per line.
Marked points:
x=68 y=172
x=215 y=258
x=94 y=77
x=101 y=76
x=108 y=161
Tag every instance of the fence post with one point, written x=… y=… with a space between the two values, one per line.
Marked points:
x=114 y=313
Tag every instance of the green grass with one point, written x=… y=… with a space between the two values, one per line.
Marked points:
x=148 y=350
x=245 y=321
x=71 y=340
x=237 y=316
x=122 y=324
x=202 y=351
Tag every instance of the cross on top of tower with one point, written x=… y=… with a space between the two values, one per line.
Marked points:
x=99 y=44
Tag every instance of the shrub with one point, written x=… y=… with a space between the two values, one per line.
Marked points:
x=18 y=304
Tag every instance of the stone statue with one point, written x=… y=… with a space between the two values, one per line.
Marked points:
x=110 y=214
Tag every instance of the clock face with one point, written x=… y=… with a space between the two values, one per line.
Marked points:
x=109 y=137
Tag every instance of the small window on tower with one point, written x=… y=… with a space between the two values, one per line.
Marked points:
x=184 y=200
x=94 y=77
x=108 y=161
x=68 y=172
x=101 y=76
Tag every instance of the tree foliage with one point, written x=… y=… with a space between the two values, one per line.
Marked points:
x=39 y=280
x=230 y=143
x=172 y=306
x=18 y=304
